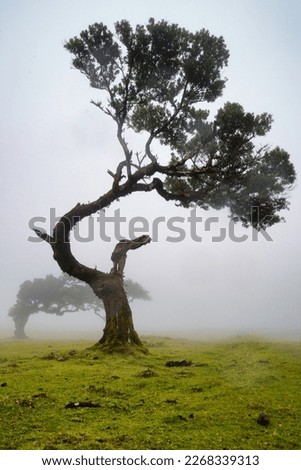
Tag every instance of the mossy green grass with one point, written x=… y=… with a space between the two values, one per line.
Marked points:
x=136 y=402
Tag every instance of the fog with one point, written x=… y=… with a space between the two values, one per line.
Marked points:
x=56 y=148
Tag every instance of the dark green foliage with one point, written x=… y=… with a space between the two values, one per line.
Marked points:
x=156 y=77
x=229 y=171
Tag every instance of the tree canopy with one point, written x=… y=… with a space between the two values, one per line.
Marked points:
x=155 y=80
x=158 y=80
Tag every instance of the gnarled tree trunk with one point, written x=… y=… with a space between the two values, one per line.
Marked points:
x=119 y=330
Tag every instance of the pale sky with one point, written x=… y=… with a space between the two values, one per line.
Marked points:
x=56 y=149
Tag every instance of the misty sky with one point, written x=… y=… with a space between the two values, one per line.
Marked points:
x=56 y=149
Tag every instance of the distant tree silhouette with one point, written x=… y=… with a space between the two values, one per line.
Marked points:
x=60 y=295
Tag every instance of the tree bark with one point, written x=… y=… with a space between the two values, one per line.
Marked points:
x=119 y=332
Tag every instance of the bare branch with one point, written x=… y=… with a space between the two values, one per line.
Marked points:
x=119 y=254
x=111 y=173
x=104 y=110
x=128 y=154
x=117 y=176
x=44 y=236
x=148 y=152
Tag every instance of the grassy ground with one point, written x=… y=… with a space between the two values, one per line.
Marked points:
x=142 y=404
